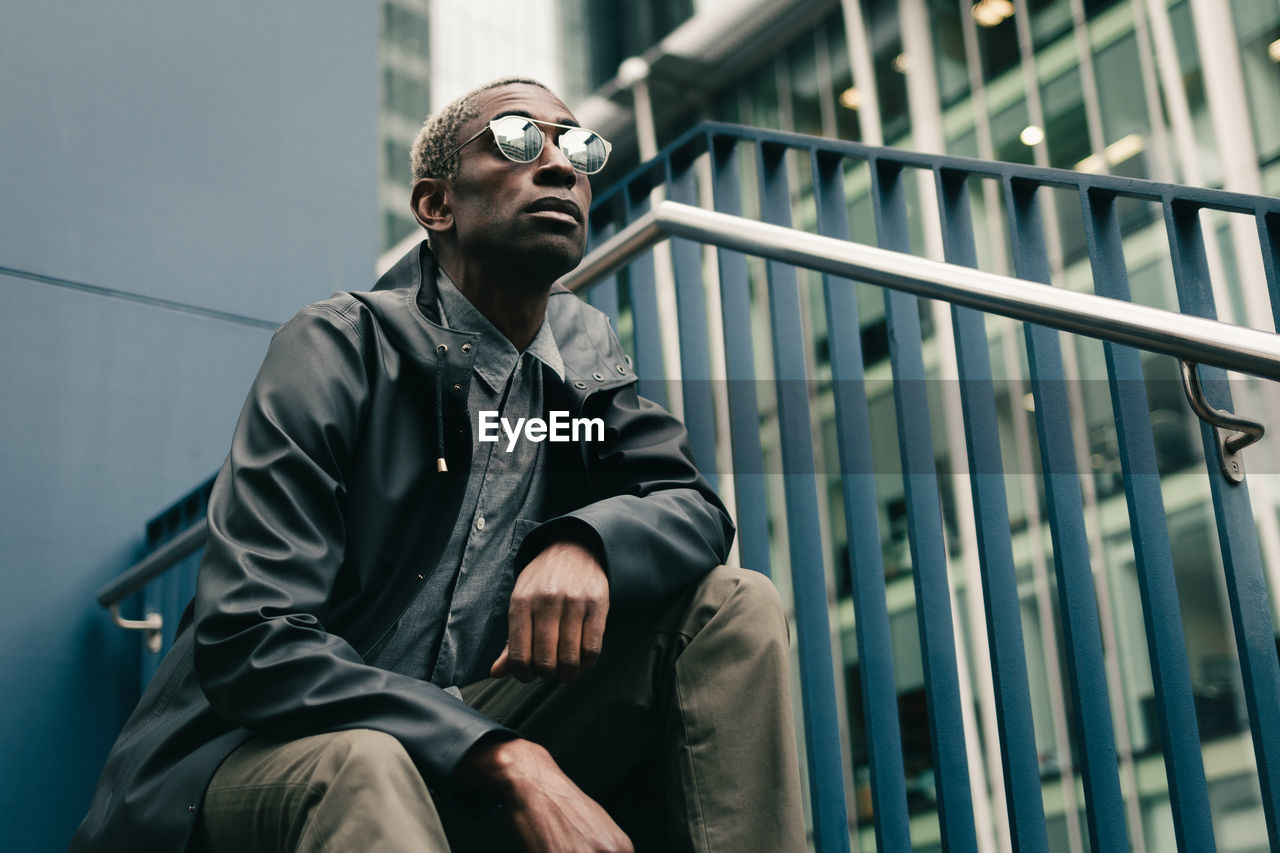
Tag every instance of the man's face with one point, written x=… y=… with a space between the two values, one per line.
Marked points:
x=529 y=216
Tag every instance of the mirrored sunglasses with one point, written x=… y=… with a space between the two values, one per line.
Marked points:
x=520 y=140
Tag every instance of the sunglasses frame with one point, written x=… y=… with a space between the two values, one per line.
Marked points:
x=608 y=146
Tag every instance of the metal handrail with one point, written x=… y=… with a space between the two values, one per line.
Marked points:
x=153 y=565
x=1183 y=336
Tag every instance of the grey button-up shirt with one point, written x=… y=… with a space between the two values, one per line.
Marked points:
x=456 y=625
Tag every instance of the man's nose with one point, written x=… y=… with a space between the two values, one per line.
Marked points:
x=554 y=166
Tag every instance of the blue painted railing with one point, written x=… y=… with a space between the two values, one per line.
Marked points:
x=741 y=170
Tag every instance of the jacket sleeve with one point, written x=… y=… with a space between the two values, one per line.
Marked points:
x=276 y=545
x=653 y=516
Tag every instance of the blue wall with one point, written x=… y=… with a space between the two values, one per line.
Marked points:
x=176 y=178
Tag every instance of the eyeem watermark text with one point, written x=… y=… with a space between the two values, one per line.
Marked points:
x=560 y=427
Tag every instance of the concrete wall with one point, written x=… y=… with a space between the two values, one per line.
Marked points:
x=176 y=178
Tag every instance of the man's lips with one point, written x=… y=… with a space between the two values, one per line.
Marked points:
x=557 y=205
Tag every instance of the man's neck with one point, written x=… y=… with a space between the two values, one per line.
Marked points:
x=516 y=308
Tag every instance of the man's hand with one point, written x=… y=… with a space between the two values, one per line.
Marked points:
x=556 y=617
x=548 y=811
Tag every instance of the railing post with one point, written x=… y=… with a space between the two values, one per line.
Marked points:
x=695 y=355
x=1153 y=554
x=744 y=407
x=1241 y=559
x=1269 y=239
x=1081 y=630
x=650 y=367
x=924 y=524
x=808 y=574
x=862 y=528
x=1025 y=799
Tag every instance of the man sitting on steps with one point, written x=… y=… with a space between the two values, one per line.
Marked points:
x=406 y=638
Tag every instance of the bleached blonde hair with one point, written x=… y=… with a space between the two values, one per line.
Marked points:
x=431 y=155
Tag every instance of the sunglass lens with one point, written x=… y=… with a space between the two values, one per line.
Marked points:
x=584 y=149
x=519 y=138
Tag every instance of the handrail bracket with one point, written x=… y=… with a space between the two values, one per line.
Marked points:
x=1232 y=432
x=152 y=623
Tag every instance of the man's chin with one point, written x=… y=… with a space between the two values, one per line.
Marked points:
x=552 y=260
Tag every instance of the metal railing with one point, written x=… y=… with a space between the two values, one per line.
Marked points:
x=713 y=164
x=622 y=277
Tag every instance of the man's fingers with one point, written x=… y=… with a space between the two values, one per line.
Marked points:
x=570 y=651
x=519 y=639
x=557 y=614
x=501 y=667
x=593 y=632
x=546 y=638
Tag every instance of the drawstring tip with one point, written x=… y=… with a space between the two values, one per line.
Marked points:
x=441 y=466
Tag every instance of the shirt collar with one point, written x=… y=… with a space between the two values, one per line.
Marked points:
x=496 y=356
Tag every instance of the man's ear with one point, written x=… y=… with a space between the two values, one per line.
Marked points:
x=430 y=206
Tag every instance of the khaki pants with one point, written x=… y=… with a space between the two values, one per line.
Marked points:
x=682 y=730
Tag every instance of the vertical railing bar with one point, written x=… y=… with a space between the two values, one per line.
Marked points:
x=1025 y=802
x=744 y=410
x=1153 y=553
x=1081 y=630
x=1241 y=558
x=862 y=526
x=604 y=294
x=808 y=575
x=924 y=525
x=650 y=367
x=1269 y=240
x=691 y=322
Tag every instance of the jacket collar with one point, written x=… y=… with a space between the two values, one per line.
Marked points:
x=406 y=298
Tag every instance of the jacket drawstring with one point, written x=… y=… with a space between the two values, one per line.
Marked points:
x=441 y=466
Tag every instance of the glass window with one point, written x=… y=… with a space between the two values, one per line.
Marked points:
x=891 y=83
x=1049 y=20
x=1193 y=82
x=624 y=28
x=1006 y=131
x=842 y=81
x=405 y=95
x=764 y=98
x=965 y=145
x=1093 y=7
x=998 y=48
x=806 y=108
x=407 y=29
x=1066 y=130
x=1258 y=25
x=1124 y=109
x=948 y=54
x=725 y=108
x=395 y=160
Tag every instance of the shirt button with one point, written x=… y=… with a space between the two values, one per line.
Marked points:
x=480 y=523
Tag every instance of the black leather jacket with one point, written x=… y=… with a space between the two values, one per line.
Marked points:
x=328 y=513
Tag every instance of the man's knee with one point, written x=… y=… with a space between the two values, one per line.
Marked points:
x=749 y=604
x=365 y=759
